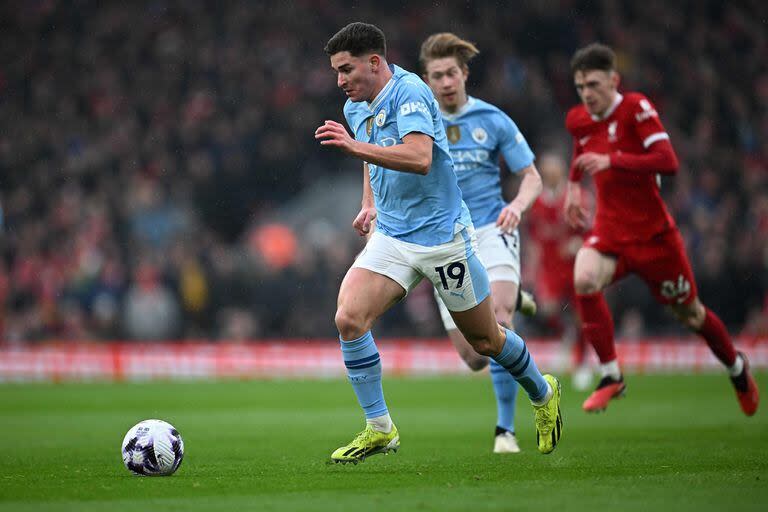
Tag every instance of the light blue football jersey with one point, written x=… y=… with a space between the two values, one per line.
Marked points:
x=423 y=210
x=477 y=134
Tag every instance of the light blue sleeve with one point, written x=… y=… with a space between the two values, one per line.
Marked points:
x=349 y=115
x=517 y=154
x=413 y=109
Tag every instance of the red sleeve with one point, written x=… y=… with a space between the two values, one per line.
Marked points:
x=645 y=121
x=660 y=159
x=575 y=173
x=659 y=156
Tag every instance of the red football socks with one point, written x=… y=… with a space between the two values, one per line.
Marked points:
x=597 y=325
x=718 y=339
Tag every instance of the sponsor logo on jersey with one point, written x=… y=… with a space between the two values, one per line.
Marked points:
x=612 y=131
x=368 y=126
x=479 y=135
x=453 y=132
x=473 y=156
x=413 y=106
x=647 y=113
x=583 y=141
x=387 y=142
x=381 y=118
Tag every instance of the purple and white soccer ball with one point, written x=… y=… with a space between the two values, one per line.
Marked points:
x=153 y=448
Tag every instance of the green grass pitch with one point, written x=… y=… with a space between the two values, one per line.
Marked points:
x=675 y=443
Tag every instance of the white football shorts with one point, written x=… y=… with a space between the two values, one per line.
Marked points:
x=453 y=268
x=500 y=253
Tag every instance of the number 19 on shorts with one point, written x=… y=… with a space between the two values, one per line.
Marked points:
x=454 y=271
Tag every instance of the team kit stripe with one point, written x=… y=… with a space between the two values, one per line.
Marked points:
x=365 y=362
x=655 y=138
x=517 y=368
x=519 y=372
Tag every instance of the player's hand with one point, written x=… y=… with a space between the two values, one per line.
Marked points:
x=363 y=223
x=509 y=218
x=593 y=163
x=334 y=134
x=575 y=213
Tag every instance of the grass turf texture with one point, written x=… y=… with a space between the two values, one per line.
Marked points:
x=675 y=443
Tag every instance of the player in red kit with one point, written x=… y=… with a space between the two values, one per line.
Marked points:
x=620 y=141
x=556 y=244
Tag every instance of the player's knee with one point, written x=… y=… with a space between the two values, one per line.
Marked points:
x=474 y=361
x=586 y=281
x=483 y=346
x=351 y=324
x=691 y=316
x=504 y=315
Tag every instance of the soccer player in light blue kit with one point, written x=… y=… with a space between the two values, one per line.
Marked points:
x=423 y=229
x=477 y=134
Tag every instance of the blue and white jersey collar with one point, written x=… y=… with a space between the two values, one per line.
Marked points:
x=463 y=110
x=397 y=72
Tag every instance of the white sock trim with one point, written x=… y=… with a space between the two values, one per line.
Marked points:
x=610 y=369
x=546 y=398
x=381 y=423
x=737 y=367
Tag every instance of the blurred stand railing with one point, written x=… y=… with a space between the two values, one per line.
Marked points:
x=69 y=361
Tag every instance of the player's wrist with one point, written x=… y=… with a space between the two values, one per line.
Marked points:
x=517 y=206
x=354 y=149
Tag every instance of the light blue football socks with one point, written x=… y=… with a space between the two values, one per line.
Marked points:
x=505 y=388
x=514 y=356
x=361 y=357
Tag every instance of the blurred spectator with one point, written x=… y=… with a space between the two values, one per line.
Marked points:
x=151 y=310
x=174 y=132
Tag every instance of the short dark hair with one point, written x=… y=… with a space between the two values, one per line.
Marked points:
x=595 y=56
x=358 y=39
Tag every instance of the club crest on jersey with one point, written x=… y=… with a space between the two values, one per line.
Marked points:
x=453 y=133
x=369 y=126
x=612 y=131
x=479 y=135
x=381 y=117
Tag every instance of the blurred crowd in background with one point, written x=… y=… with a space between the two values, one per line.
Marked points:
x=156 y=156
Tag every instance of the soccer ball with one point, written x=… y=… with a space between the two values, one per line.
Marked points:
x=153 y=448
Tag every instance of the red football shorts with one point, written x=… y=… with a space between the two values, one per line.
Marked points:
x=661 y=262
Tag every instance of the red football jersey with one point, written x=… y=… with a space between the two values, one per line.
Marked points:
x=629 y=205
x=557 y=243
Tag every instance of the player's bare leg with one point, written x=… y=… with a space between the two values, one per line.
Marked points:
x=487 y=337
x=706 y=324
x=592 y=272
x=363 y=297
x=505 y=294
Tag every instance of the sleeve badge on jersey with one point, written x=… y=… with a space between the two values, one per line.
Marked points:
x=453 y=132
x=381 y=118
x=479 y=135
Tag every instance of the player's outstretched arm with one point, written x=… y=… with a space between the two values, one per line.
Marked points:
x=659 y=159
x=530 y=188
x=414 y=155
